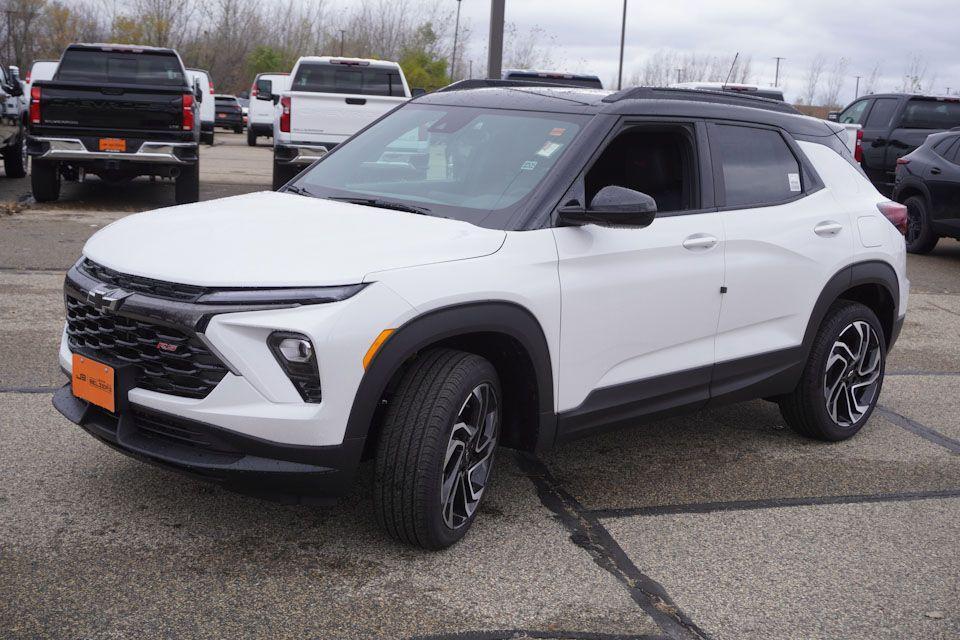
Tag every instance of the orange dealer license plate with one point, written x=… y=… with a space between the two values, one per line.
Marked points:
x=113 y=144
x=93 y=382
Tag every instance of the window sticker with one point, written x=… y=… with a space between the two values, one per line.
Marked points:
x=794 y=180
x=557 y=131
x=548 y=149
x=529 y=165
x=437 y=163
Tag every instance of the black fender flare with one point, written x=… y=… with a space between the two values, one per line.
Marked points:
x=912 y=183
x=433 y=326
x=856 y=274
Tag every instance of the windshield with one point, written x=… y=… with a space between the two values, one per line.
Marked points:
x=122 y=67
x=471 y=164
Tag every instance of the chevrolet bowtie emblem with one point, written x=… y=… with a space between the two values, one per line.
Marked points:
x=107 y=299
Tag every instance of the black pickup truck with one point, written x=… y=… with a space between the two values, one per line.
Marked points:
x=894 y=124
x=118 y=112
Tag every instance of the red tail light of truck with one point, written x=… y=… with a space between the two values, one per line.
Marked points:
x=285 y=114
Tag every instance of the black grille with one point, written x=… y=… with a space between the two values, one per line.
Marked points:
x=181 y=432
x=185 y=368
x=146 y=286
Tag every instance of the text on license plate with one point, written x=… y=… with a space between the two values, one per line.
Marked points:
x=93 y=381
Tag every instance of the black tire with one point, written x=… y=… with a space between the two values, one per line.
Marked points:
x=418 y=428
x=251 y=137
x=282 y=174
x=14 y=160
x=45 y=181
x=238 y=129
x=188 y=184
x=921 y=237
x=806 y=408
x=206 y=137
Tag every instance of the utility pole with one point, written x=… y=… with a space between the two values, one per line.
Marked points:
x=678 y=75
x=623 y=34
x=856 y=91
x=776 y=77
x=495 y=41
x=342 y=33
x=456 y=32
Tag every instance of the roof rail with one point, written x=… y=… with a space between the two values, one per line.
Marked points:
x=480 y=83
x=701 y=95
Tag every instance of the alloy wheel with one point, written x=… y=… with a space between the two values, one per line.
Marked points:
x=469 y=456
x=914 y=225
x=852 y=376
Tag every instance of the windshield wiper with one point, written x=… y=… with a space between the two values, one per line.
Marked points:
x=384 y=204
x=300 y=191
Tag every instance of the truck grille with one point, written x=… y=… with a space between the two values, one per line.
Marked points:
x=183 y=366
x=138 y=284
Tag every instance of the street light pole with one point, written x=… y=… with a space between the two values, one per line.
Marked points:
x=495 y=41
x=678 y=74
x=856 y=91
x=456 y=32
x=623 y=33
x=342 y=33
x=776 y=77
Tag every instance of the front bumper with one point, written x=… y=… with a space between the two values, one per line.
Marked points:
x=241 y=463
x=301 y=153
x=73 y=149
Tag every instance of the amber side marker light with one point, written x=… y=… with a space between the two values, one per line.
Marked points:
x=372 y=351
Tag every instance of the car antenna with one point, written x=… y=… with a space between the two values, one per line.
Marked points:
x=732 y=67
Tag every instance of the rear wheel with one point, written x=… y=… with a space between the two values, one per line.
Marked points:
x=251 y=137
x=188 y=184
x=843 y=376
x=45 y=181
x=921 y=237
x=206 y=137
x=15 y=158
x=238 y=129
x=282 y=174
x=436 y=450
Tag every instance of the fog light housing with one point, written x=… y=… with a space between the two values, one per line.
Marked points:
x=298 y=359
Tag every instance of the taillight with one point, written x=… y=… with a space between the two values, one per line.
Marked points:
x=253 y=90
x=903 y=160
x=27 y=79
x=188 y=112
x=896 y=213
x=211 y=87
x=858 y=148
x=34 y=105
x=285 y=114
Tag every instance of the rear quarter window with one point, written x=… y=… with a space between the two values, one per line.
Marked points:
x=757 y=166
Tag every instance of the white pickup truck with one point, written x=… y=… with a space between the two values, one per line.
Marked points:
x=329 y=100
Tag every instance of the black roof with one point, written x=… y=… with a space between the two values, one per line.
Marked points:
x=107 y=46
x=654 y=101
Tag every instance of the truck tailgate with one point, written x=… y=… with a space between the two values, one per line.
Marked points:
x=328 y=117
x=79 y=106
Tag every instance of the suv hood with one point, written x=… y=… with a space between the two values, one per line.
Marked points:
x=269 y=239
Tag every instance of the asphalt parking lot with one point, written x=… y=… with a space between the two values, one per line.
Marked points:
x=722 y=525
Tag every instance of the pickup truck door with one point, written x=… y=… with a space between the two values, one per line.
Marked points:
x=876 y=137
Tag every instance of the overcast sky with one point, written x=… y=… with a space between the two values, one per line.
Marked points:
x=584 y=35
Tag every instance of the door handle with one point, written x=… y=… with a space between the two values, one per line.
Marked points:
x=935 y=171
x=355 y=100
x=699 y=242
x=828 y=228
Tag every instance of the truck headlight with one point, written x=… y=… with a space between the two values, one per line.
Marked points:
x=298 y=359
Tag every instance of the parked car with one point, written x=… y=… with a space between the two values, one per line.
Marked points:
x=586 y=80
x=928 y=183
x=551 y=264
x=732 y=87
x=229 y=113
x=329 y=100
x=12 y=134
x=208 y=111
x=261 y=112
x=39 y=70
x=894 y=124
x=116 y=111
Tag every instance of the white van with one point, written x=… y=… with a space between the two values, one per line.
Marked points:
x=260 y=112
x=207 y=105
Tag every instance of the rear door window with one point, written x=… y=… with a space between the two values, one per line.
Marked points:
x=356 y=79
x=121 y=67
x=931 y=114
x=881 y=114
x=758 y=166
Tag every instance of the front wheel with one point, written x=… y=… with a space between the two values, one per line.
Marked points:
x=841 y=382
x=921 y=237
x=251 y=137
x=15 y=158
x=436 y=450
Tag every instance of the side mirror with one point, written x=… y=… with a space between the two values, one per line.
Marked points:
x=13 y=88
x=615 y=207
x=197 y=92
x=833 y=116
x=263 y=95
x=416 y=92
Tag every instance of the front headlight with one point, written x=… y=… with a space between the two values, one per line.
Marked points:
x=298 y=359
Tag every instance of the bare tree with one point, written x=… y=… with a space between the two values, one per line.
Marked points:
x=915 y=76
x=835 y=79
x=871 y=82
x=811 y=82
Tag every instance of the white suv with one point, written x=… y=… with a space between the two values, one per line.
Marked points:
x=511 y=265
